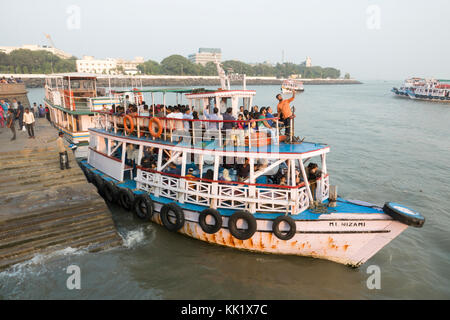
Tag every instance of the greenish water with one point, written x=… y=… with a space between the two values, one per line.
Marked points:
x=383 y=148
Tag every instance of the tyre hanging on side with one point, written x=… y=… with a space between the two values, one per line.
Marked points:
x=282 y=235
x=143 y=206
x=126 y=198
x=242 y=234
x=99 y=183
x=403 y=214
x=89 y=175
x=110 y=191
x=170 y=211
x=210 y=228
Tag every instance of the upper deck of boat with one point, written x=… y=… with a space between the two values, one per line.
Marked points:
x=303 y=148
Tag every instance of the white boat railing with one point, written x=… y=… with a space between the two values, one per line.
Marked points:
x=229 y=195
x=174 y=130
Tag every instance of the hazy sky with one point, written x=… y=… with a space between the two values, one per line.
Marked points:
x=370 y=39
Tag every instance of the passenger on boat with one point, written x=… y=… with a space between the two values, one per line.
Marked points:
x=187 y=115
x=209 y=175
x=225 y=176
x=313 y=174
x=243 y=170
x=132 y=155
x=265 y=127
x=172 y=169
x=246 y=115
x=285 y=112
x=269 y=115
x=228 y=127
x=215 y=116
x=283 y=181
x=255 y=112
x=145 y=112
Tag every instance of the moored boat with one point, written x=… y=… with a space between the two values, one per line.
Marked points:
x=433 y=90
x=290 y=85
x=233 y=185
x=409 y=85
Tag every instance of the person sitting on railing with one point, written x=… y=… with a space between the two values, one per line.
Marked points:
x=265 y=127
x=269 y=114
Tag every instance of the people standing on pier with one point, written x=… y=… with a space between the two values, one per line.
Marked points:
x=2 y=117
x=5 y=106
x=19 y=116
x=35 y=110
x=63 y=157
x=10 y=123
x=285 y=113
x=28 y=118
x=47 y=113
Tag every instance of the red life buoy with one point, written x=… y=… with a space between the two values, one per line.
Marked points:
x=150 y=127
x=129 y=129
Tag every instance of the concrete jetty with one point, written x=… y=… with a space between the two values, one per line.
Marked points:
x=44 y=208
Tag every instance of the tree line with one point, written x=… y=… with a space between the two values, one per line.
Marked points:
x=179 y=65
x=41 y=61
x=27 y=61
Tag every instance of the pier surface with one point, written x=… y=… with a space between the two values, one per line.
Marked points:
x=44 y=208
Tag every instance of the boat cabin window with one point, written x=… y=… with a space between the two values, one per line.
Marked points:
x=75 y=84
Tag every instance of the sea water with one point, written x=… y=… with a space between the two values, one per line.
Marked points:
x=383 y=148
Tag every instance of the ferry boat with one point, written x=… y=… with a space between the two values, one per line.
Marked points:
x=409 y=85
x=72 y=99
x=290 y=85
x=433 y=90
x=235 y=187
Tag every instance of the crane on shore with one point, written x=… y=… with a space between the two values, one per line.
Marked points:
x=49 y=38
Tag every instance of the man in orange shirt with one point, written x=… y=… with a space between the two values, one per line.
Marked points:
x=285 y=112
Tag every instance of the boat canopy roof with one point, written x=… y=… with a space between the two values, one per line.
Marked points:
x=221 y=94
x=73 y=75
x=166 y=90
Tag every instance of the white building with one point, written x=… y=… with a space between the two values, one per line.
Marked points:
x=206 y=55
x=34 y=47
x=308 y=62
x=108 y=66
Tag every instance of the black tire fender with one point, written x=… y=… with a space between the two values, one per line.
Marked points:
x=110 y=191
x=89 y=175
x=177 y=212
x=100 y=184
x=144 y=206
x=239 y=233
x=208 y=228
x=404 y=215
x=284 y=235
x=126 y=198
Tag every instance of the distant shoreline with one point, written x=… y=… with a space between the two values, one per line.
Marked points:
x=38 y=80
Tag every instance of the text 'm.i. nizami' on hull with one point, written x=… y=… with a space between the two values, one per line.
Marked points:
x=212 y=175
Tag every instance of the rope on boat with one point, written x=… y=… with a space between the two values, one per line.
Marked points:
x=319 y=208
